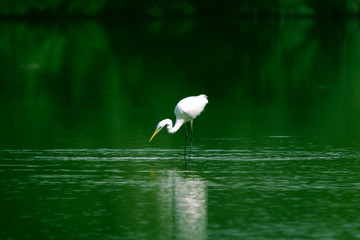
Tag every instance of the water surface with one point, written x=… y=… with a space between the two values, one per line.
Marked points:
x=267 y=193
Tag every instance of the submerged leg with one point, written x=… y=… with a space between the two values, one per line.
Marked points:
x=192 y=136
x=186 y=137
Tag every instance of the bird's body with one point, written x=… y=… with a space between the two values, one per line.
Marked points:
x=185 y=111
x=191 y=107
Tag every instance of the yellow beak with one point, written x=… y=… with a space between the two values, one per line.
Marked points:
x=156 y=131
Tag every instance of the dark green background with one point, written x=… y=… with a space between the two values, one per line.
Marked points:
x=180 y=8
x=92 y=84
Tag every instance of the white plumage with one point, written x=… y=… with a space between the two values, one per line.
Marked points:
x=191 y=107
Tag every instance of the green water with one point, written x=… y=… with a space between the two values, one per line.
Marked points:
x=276 y=152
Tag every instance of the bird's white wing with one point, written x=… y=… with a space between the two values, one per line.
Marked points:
x=190 y=107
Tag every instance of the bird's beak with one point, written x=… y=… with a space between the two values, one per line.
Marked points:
x=156 y=131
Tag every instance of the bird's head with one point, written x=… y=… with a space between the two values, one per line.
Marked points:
x=160 y=126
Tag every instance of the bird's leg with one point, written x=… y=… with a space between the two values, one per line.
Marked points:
x=186 y=137
x=192 y=137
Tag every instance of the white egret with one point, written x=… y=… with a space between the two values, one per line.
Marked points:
x=185 y=111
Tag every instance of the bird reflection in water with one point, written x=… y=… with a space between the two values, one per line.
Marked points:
x=182 y=205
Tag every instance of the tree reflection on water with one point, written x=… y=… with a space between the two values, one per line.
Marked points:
x=96 y=84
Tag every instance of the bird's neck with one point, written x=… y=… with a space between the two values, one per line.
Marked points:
x=178 y=124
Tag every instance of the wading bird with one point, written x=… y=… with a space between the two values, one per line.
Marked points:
x=185 y=111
